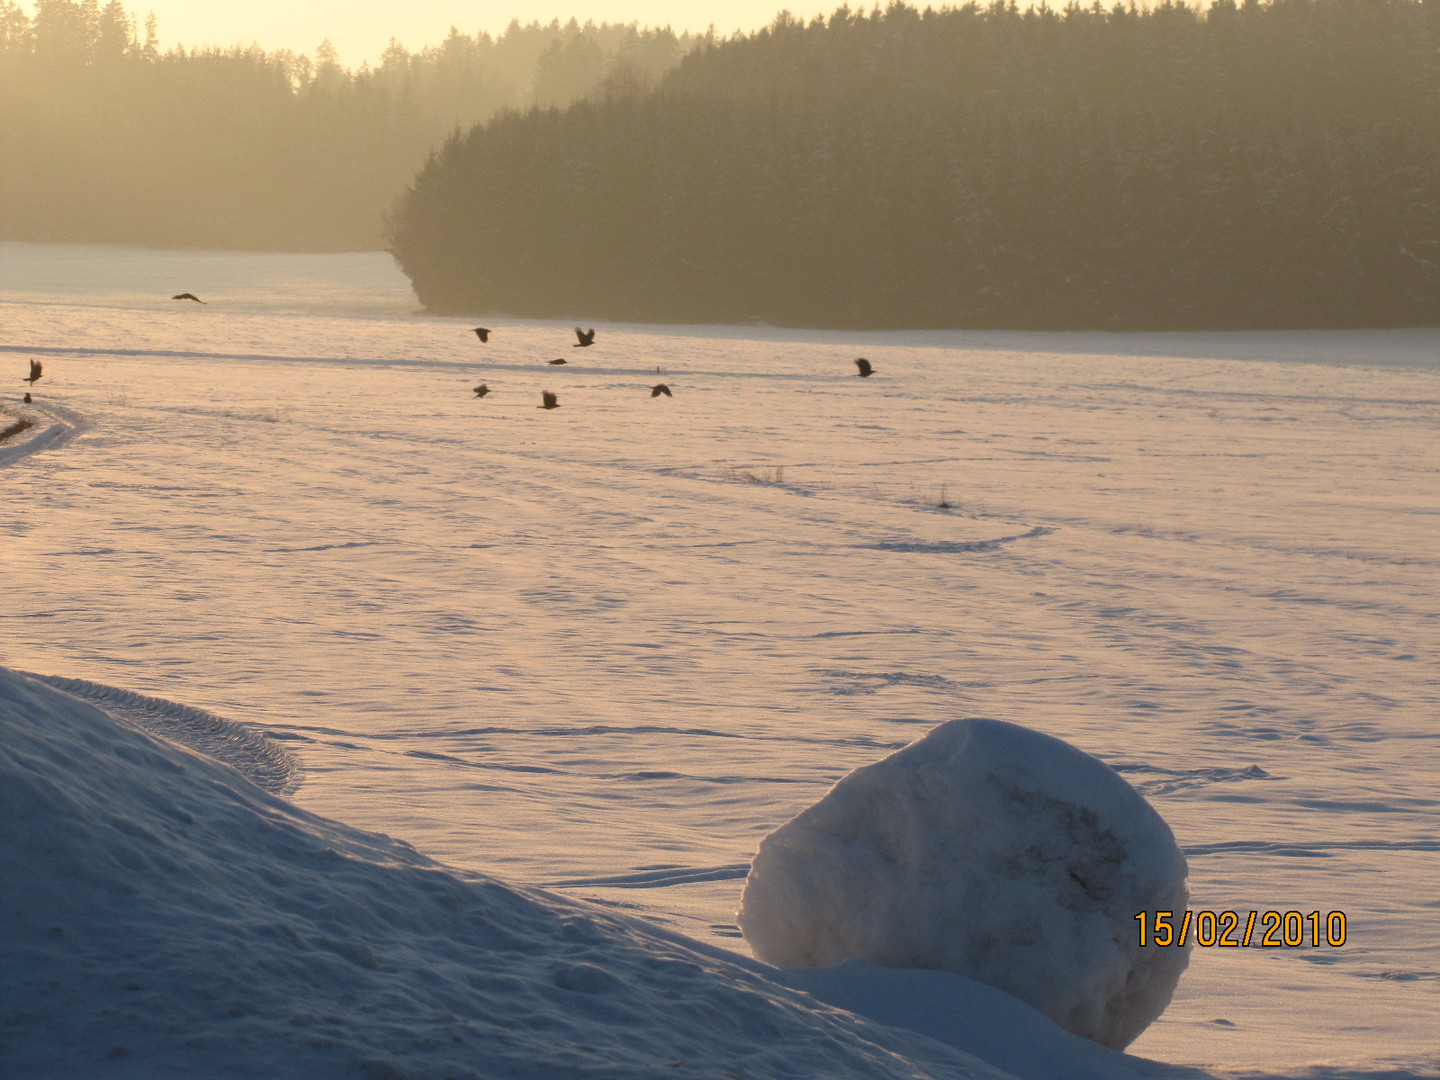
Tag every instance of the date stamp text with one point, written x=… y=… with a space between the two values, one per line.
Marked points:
x=1233 y=929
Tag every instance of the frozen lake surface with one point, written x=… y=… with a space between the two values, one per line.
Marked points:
x=605 y=649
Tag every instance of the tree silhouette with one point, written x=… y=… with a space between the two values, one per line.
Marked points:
x=105 y=138
x=1263 y=164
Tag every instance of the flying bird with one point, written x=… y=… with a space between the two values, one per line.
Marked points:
x=865 y=369
x=187 y=296
x=552 y=363
x=548 y=400
x=481 y=390
x=587 y=337
x=483 y=333
x=660 y=388
x=35 y=369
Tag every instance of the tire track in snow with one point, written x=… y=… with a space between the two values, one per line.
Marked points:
x=64 y=424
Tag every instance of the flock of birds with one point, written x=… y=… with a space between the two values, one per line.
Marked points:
x=583 y=340
x=548 y=399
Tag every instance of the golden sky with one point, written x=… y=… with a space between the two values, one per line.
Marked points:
x=360 y=30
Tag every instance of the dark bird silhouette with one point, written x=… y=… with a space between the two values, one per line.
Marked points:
x=483 y=333
x=481 y=390
x=587 y=337
x=28 y=399
x=187 y=296
x=660 y=388
x=560 y=361
x=548 y=400
x=865 y=369
x=35 y=369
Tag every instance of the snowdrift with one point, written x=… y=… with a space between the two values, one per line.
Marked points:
x=162 y=916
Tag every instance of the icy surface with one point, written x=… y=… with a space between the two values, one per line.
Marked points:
x=987 y=850
x=583 y=649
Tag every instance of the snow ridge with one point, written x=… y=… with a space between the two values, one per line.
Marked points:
x=251 y=753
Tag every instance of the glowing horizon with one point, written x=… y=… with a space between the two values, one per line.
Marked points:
x=361 y=34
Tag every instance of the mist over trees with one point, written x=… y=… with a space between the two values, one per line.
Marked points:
x=106 y=138
x=1262 y=164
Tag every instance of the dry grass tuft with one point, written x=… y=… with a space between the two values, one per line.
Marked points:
x=15 y=429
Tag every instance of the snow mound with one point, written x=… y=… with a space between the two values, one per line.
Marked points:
x=987 y=850
x=160 y=915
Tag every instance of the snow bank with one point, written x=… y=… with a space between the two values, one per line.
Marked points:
x=987 y=850
x=162 y=916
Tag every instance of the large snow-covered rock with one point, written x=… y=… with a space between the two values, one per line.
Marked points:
x=991 y=851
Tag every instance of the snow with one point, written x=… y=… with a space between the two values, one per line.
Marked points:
x=578 y=650
x=988 y=850
x=989 y=1023
x=162 y=916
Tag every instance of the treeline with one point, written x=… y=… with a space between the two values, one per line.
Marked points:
x=104 y=137
x=1266 y=164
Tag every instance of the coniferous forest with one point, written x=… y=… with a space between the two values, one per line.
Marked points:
x=1273 y=163
x=104 y=138
x=1261 y=165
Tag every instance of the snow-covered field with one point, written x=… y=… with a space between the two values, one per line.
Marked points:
x=606 y=649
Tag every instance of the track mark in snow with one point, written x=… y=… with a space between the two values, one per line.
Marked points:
x=1305 y=851
x=651 y=775
x=254 y=755
x=1171 y=780
x=954 y=547
x=450 y=759
x=324 y=547
x=658 y=877
x=64 y=424
x=872 y=682
x=1396 y=976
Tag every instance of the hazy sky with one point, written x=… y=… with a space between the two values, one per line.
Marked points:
x=360 y=31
